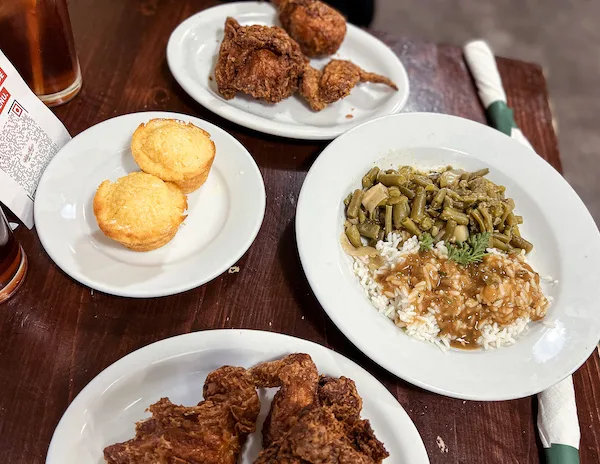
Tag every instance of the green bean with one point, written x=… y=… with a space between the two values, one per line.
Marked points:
x=520 y=242
x=449 y=233
x=354 y=205
x=388 y=220
x=370 y=177
x=394 y=192
x=487 y=218
x=407 y=192
x=457 y=216
x=418 y=207
x=515 y=230
x=400 y=212
x=452 y=194
x=412 y=228
x=391 y=180
x=438 y=198
x=448 y=202
x=422 y=181
x=361 y=216
x=432 y=212
x=369 y=229
x=393 y=200
x=434 y=231
x=508 y=205
x=458 y=205
x=495 y=243
x=354 y=236
x=501 y=237
x=426 y=223
x=519 y=219
x=478 y=219
x=347 y=199
x=511 y=220
x=480 y=173
x=431 y=188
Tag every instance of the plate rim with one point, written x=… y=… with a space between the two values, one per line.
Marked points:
x=174 y=290
x=351 y=334
x=202 y=339
x=259 y=123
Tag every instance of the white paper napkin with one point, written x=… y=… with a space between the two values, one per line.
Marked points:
x=30 y=136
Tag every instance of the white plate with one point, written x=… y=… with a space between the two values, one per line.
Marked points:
x=224 y=215
x=106 y=410
x=194 y=47
x=567 y=249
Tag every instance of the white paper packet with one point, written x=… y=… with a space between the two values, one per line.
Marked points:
x=30 y=136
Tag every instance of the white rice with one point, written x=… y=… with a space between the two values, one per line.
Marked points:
x=397 y=306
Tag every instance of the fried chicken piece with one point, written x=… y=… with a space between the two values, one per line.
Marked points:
x=314 y=420
x=317 y=437
x=341 y=396
x=212 y=432
x=334 y=82
x=298 y=378
x=258 y=60
x=318 y=28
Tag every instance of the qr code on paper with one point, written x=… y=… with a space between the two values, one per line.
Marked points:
x=25 y=150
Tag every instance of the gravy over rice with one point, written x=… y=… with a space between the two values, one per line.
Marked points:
x=463 y=299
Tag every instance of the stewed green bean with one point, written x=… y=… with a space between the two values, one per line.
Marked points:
x=450 y=204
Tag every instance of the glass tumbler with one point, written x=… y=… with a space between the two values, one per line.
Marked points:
x=13 y=262
x=36 y=36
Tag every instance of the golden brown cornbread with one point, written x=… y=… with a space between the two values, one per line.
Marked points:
x=175 y=151
x=140 y=210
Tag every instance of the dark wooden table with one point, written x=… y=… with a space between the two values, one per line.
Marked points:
x=56 y=335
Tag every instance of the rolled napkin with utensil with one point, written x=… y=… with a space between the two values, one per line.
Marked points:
x=558 y=424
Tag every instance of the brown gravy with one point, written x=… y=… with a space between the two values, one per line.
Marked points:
x=466 y=296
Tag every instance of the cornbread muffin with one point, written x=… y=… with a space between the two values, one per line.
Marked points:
x=175 y=151
x=139 y=210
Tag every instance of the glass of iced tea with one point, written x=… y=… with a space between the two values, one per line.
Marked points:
x=36 y=37
x=13 y=262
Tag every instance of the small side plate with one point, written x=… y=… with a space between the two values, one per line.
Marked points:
x=224 y=215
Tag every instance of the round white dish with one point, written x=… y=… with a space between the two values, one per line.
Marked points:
x=224 y=215
x=192 y=54
x=568 y=250
x=106 y=410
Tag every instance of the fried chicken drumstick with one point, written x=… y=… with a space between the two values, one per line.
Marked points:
x=211 y=433
x=258 y=60
x=335 y=81
x=317 y=27
x=313 y=420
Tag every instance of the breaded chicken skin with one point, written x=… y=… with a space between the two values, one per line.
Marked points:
x=261 y=61
x=318 y=28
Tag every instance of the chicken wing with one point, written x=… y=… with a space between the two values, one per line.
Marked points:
x=258 y=60
x=298 y=378
x=334 y=82
x=212 y=432
x=318 y=28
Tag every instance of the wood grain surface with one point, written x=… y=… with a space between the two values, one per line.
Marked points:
x=56 y=335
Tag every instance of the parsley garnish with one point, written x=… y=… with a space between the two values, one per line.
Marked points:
x=471 y=251
x=426 y=242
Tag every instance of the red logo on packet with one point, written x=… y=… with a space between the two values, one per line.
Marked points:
x=2 y=76
x=16 y=108
x=4 y=97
